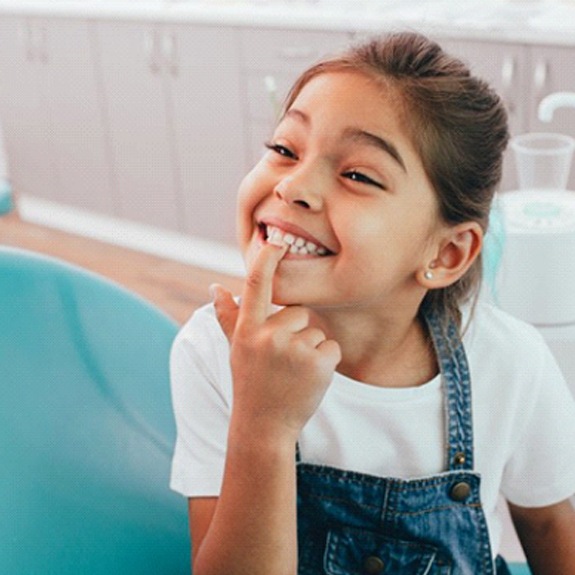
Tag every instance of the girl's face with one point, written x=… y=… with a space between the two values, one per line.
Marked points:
x=342 y=182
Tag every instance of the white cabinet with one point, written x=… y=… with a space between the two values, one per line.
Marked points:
x=25 y=115
x=135 y=80
x=51 y=112
x=173 y=104
x=157 y=122
x=271 y=61
x=209 y=128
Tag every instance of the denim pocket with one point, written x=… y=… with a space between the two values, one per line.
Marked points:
x=352 y=551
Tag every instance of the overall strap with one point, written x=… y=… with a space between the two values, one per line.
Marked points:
x=456 y=391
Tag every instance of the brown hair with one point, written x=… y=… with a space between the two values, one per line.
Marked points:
x=457 y=124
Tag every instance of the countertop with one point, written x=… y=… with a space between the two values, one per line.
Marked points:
x=549 y=22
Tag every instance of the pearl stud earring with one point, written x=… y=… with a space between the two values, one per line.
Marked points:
x=428 y=275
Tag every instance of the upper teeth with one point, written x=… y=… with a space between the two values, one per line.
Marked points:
x=296 y=244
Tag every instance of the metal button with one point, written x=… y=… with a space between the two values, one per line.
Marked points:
x=460 y=491
x=373 y=565
x=459 y=458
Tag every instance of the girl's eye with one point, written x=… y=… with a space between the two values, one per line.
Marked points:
x=281 y=150
x=355 y=176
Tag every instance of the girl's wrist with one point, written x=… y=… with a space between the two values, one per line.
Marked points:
x=264 y=433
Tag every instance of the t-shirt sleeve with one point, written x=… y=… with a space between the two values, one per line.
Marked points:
x=541 y=468
x=201 y=398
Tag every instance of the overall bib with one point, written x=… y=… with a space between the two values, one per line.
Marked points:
x=350 y=523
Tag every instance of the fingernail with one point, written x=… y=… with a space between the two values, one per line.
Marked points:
x=213 y=291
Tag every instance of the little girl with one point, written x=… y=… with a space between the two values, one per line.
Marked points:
x=358 y=410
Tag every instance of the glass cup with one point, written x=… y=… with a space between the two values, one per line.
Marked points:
x=543 y=160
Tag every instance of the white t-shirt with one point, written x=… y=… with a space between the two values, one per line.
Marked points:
x=523 y=417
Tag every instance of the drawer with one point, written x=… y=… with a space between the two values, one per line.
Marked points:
x=204 y=46
x=124 y=45
x=288 y=50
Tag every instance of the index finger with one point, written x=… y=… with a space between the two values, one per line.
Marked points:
x=257 y=293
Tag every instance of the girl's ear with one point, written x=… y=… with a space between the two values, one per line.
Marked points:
x=458 y=249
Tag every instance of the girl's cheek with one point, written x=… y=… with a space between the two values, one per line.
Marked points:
x=245 y=211
x=250 y=190
x=246 y=228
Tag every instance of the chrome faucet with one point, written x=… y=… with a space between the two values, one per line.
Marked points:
x=550 y=103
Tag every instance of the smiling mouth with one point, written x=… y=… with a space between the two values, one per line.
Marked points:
x=297 y=244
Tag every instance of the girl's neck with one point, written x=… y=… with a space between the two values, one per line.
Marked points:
x=393 y=351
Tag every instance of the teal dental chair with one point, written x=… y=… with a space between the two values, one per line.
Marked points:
x=519 y=569
x=86 y=429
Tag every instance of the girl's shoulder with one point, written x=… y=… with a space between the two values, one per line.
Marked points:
x=495 y=333
x=202 y=335
x=202 y=319
x=203 y=316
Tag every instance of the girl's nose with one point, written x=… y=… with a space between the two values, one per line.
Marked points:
x=299 y=192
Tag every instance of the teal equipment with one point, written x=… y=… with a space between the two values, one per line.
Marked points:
x=6 y=200
x=86 y=427
x=519 y=569
x=493 y=245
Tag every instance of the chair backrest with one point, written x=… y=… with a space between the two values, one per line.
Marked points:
x=519 y=569
x=86 y=427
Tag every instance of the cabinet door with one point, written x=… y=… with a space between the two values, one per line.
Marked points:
x=552 y=70
x=136 y=107
x=78 y=128
x=204 y=67
x=271 y=61
x=504 y=67
x=24 y=110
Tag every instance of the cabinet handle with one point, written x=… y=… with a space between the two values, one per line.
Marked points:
x=34 y=38
x=151 y=50
x=296 y=53
x=271 y=88
x=507 y=78
x=508 y=72
x=43 y=44
x=540 y=74
x=32 y=42
x=170 y=52
x=26 y=35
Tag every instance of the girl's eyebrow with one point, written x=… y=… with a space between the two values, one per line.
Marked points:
x=297 y=115
x=356 y=135
x=361 y=136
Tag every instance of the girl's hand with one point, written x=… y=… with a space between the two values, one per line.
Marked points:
x=281 y=365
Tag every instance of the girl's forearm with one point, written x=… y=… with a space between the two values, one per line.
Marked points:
x=254 y=527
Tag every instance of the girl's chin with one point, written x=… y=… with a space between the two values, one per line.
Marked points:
x=285 y=294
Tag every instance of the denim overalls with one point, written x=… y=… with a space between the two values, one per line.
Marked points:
x=351 y=523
